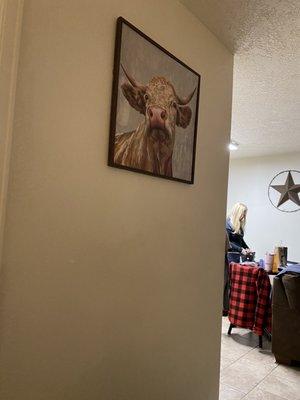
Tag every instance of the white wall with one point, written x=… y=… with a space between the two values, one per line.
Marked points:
x=266 y=226
x=103 y=294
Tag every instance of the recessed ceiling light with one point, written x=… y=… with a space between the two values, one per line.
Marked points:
x=233 y=145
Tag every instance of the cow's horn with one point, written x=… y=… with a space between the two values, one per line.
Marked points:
x=132 y=80
x=185 y=100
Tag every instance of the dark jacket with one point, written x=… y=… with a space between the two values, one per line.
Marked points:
x=236 y=240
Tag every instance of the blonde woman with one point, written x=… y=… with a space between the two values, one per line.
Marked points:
x=235 y=226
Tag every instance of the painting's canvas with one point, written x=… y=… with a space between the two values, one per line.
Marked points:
x=154 y=108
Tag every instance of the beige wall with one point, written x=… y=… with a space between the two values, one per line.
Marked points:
x=10 y=33
x=111 y=280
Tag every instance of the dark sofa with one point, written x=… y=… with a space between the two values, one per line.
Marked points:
x=286 y=318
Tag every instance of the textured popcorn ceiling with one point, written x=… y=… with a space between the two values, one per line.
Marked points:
x=264 y=36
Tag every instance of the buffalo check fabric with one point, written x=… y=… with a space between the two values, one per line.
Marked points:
x=250 y=303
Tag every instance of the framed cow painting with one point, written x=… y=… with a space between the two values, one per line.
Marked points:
x=154 y=110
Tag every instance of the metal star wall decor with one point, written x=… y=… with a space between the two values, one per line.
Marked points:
x=289 y=191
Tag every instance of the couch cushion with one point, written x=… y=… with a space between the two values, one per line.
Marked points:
x=291 y=283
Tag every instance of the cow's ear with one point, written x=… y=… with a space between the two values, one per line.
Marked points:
x=184 y=115
x=135 y=97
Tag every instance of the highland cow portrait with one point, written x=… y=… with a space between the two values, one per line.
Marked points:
x=154 y=109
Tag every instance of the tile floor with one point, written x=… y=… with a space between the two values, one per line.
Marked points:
x=250 y=373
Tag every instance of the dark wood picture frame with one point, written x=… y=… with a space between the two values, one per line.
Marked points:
x=192 y=115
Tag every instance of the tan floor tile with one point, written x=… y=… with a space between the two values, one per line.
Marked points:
x=230 y=393
x=259 y=394
x=262 y=355
x=227 y=360
x=241 y=337
x=233 y=350
x=292 y=374
x=234 y=347
x=244 y=366
x=280 y=386
x=242 y=375
x=264 y=360
x=225 y=324
x=230 y=356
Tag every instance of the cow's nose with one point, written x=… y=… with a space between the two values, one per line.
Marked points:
x=157 y=116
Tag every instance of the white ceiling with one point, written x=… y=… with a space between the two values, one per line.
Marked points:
x=264 y=36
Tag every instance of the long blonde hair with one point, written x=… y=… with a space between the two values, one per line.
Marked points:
x=238 y=210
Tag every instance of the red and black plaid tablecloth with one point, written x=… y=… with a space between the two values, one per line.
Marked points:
x=250 y=304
